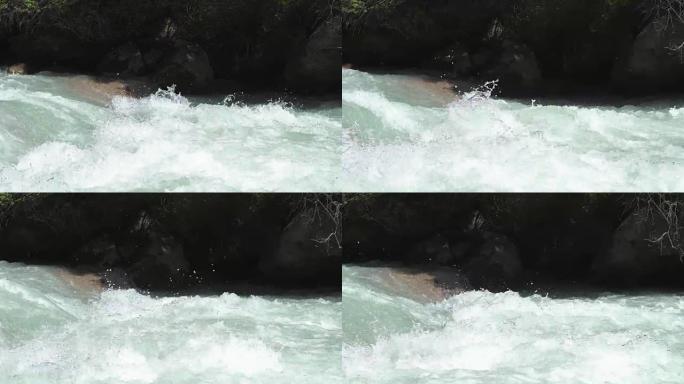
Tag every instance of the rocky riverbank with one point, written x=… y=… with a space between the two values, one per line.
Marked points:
x=175 y=243
x=502 y=242
x=533 y=47
x=200 y=46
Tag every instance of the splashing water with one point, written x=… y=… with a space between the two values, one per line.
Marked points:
x=482 y=337
x=52 y=332
x=404 y=133
x=55 y=138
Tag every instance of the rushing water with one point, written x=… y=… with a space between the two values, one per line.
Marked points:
x=404 y=133
x=52 y=332
x=54 y=137
x=482 y=337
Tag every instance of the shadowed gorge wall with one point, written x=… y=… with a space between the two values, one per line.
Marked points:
x=175 y=242
x=271 y=44
x=529 y=45
x=509 y=241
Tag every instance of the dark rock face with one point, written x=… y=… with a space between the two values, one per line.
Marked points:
x=435 y=250
x=529 y=45
x=318 y=67
x=502 y=242
x=168 y=243
x=642 y=252
x=496 y=265
x=186 y=65
x=256 y=44
x=124 y=60
x=52 y=50
x=307 y=250
x=516 y=65
x=654 y=61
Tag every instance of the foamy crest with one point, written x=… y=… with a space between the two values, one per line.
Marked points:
x=52 y=333
x=489 y=338
x=53 y=141
x=393 y=142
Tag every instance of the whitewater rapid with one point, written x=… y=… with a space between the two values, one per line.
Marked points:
x=56 y=137
x=54 y=332
x=406 y=133
x=480 y=337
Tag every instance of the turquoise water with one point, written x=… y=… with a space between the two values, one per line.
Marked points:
x=56 y=136
x=407 y=133
x=482 y=337
x=54 y=332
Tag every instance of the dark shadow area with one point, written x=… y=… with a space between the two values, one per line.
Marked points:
x=533 y=47
x=180 y=243
x=201 y=46
x=535 y=243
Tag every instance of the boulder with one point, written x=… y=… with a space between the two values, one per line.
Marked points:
x=634 y=256
x=455 y=60
x=515 y=65
x=307 y=251
x=496 y=265
x=653 y=61
x=18 y=69
x=159 y=263
x=187 y=66
x=125 y=60
x=101 y=251
x=434 y=250
x=317 y=68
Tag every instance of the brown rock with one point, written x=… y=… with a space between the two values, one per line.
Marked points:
x=18 y=69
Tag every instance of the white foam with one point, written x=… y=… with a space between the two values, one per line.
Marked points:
x=54 y=334
x=51 y=142
x=485 y=337
x=483 y=144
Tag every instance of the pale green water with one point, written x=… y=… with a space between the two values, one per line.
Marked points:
x=52 y=333
x=401 y=134
x=54 y=139
x=481 y=337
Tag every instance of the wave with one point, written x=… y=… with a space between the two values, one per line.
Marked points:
x=402 y=135
x=483 y=337
x=54 y=139
x=54 y=332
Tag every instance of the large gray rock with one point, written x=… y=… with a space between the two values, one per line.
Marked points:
x=652 y=62
x=318 y=68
